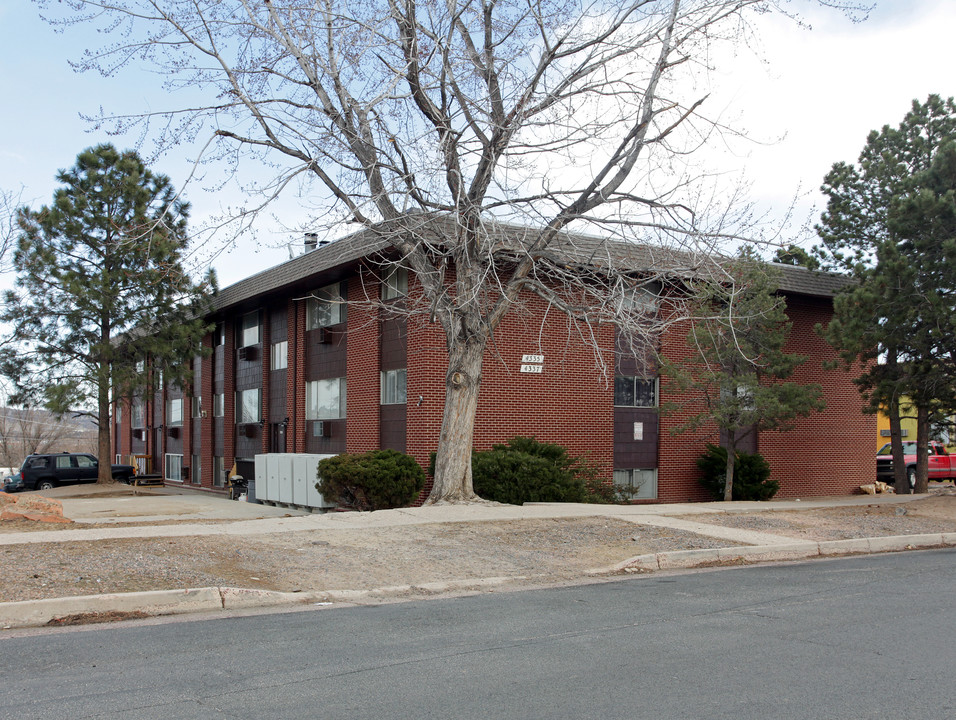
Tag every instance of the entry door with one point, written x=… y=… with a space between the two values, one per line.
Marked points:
x=277 y=438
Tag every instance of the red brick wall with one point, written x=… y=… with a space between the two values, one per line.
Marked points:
x=363 y=341
x=570 y=402
x=827 y=453
x=831 y=452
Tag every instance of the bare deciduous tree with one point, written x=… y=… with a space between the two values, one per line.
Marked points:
x=9 y=202
x=553 y=114
x=33 y=430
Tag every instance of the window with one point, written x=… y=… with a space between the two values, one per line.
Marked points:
x=219 y=405
x=195 y=471
x=174 y=412
x=62 y=462
x=218 y=472
x=325 y=307
x=140 y=366
x=641 y=300
x=635 y=391
x=85 y=461
x=637 y=484
x=219 y=337
x=393 y=387
x=396 y=284
x=137 y=415
x=248 y=330
x=325 y=399
x=197 y=407
x=280 y=355
x=247 y=406
x=174 y=468
x=119 y=414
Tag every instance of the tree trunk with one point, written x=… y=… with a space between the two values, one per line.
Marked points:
x=731 y=447
x=452 y=481
x=104 y=450
x=922 y=450
x=900 y=484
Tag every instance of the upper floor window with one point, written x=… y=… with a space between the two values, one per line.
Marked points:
x=248 y=407
x=280 y=355
x=642 y=300
x=396 y=284
x=325 y=399
x=174 y=412
x=635 y=391
x=219 y=335
x=197 y=406
x=393 y=387
x=325 y=307
x=248 y=329
x=219 y=405
x=137 y=415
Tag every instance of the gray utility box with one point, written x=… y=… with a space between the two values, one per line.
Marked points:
x=289 y=479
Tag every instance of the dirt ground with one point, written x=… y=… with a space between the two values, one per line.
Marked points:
x=526 y=552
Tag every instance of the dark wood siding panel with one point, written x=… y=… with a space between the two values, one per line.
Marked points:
x=392 y=427
x=628 y=452
x=327 y=359
x=394 y=353
x=249 y=372
x=278 y=323
x=334 y=444
x=247 y=447
x=218 y=448
x=277 y=395
x=219 y=370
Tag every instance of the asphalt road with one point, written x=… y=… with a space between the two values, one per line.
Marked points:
x=861 y=637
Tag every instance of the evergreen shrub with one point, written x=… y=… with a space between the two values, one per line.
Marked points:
x=751 y=474
x=526 y=470
x=374 y=480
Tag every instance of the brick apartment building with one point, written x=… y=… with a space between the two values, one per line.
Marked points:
x=305 y=357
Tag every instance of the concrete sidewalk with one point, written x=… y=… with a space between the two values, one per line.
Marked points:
x=200 y=514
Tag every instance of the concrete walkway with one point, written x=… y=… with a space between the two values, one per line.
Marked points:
x=200 y=514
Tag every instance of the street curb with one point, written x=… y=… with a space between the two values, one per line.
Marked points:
x=88 y=608
x=771 y=553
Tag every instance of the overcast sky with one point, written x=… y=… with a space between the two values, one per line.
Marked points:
x=811 y=97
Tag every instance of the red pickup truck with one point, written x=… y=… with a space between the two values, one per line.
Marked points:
x=942 y=465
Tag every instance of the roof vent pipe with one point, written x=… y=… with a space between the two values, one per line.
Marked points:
x=311 y=241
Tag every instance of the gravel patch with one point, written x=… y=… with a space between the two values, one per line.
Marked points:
x=935 y=514
x=557 y=550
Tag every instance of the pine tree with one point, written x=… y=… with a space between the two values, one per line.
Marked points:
x=740 y=364
x=101 y=286
x=885 y=320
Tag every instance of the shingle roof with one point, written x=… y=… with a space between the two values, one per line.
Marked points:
x=569 y=248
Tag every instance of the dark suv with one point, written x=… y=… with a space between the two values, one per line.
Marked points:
x=46 y=471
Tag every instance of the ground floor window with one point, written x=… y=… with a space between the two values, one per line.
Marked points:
x=393 y=387
x=174 y=468
x=218 y=472
x=637 y=484
x=325 y=399
x=196 y=472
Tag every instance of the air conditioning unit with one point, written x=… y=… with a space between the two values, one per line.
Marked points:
x=173 y=432
x=247 y=353
x=322 y=428
x=138 y=433
x=249 y=430
x=325 y=336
